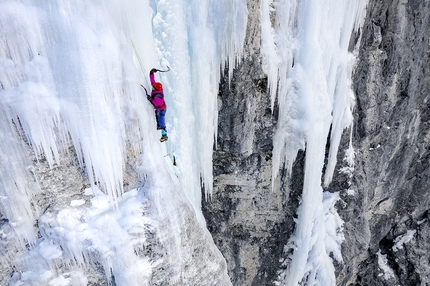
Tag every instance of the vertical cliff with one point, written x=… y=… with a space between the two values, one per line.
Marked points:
x=249 y=222
x=386 y=220
x=384 y=197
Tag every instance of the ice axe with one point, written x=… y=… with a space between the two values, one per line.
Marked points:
x=168 y=69
x=144 y=89
x=148 y=97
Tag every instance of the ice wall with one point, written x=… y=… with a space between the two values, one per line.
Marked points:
x=306 y=51
x=197 y=39
x=67 y=78
x=70 y=81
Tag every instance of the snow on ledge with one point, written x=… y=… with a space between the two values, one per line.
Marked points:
x=383 y=265
x=403 y=239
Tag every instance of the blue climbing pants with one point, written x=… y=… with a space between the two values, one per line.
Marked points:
x=160 y=116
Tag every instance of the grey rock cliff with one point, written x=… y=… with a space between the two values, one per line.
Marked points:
x=249 y=222
x=391 y=139
x=385 y=205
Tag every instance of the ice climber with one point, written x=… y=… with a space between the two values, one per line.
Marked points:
x=157 y=100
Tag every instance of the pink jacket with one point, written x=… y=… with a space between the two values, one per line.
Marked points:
x=157 y=96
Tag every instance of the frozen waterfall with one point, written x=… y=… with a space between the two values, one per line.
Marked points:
x=70 y=83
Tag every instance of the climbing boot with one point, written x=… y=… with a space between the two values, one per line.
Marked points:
x=164 y=138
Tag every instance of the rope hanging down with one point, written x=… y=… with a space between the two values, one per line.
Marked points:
x=142 y=68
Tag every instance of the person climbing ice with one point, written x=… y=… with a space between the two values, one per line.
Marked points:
x=157 y=100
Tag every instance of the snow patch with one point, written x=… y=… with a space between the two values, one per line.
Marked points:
x=76 y=203
x=403 y=239
x=350 y=192
x=112 y=237
x=388 y=273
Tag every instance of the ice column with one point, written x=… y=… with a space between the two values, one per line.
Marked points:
x=314 y=93
x=196 y=38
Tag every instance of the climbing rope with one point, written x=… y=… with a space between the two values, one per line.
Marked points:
x=142 y=68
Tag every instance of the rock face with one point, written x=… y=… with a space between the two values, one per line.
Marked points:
x=384 y=204
x=249 y=222
x=391 y=139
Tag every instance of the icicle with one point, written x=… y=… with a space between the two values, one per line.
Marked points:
x=268 y=49
x=288 y=138
x=17 y=183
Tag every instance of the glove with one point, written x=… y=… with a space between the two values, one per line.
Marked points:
x=153 y=71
